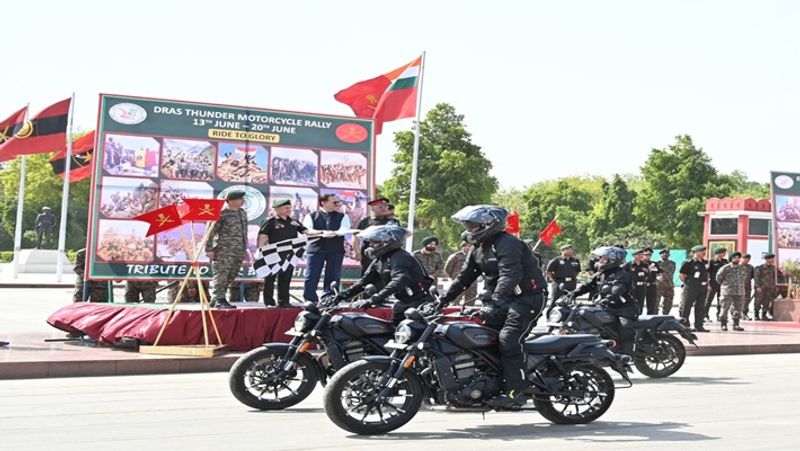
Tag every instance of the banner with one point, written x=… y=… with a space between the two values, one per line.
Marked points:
x=150 y=153
x=785 y=188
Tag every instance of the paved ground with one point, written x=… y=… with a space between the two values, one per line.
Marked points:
x=715 y=403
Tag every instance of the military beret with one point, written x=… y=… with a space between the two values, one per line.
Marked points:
x=380 y=200
x=720 y=250
x=664 y=251
x=647 y=249
x=430 y=239
x=234 y=195
x=736 y=254
x=636 y=251
x=698 y=248
x=280 y=203
x=746 y=256
x=566 y=246
x=769 y=255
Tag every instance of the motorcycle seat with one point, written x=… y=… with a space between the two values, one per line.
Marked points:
x=650 y=321
x=551 y=344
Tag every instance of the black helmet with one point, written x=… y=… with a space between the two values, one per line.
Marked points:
x=615 y=257
x=382 y=239
x=490 y=219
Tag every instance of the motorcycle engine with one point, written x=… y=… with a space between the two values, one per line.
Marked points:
x=354 y=350
x=475 y=383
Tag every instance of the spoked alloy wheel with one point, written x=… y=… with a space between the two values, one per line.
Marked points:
x=587 y=392
x=258 y=379
x=666 y=357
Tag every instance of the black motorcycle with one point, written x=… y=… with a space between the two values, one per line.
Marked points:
x=458 y=365
x=657 y=352
x=280 y=375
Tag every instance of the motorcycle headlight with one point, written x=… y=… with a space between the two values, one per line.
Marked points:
x=403 y=334
x=302 y=323
x=555 y=316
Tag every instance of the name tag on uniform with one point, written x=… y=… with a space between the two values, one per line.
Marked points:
x=641 y=273
x=561 y=262
x=697 y=274
x=703 y=283
x=568 y=279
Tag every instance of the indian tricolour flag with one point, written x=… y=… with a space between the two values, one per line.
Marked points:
x=387 y=97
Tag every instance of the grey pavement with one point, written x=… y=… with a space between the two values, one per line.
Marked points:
x=713 y=403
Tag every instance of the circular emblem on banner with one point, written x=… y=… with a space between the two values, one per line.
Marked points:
x=351 y=133
x=25 y=131
x=254 y=202
x=784 y=182
x=127 y=113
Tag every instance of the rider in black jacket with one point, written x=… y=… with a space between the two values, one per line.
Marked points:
x=614 y=282
x=393 y=268
x=514 y=276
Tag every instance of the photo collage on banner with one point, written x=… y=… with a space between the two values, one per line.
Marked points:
x=153 y=153
x=786 y=217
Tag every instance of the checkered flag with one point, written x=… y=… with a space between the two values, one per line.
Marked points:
x=274 y=258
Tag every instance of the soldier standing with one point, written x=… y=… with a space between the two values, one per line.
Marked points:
x=98 y=290
x=665 y=287
x=731 y=285
x=714 y=265
x=251 y=289
x=694 y=276
x=227 y=247
x=563 y=270
x=453 y=267
x=651 y=291
x=748 y=285
x=45 y=221
x=135 y=288
x=430 y=257
x=280 y=227
x=639 y=269
x=766 y=287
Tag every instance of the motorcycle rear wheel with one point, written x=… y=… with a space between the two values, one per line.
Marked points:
x=670 y=353
x=587 y=393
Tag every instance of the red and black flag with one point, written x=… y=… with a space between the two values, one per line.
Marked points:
x=46 y=132
x=12 y=125
x=80 y=167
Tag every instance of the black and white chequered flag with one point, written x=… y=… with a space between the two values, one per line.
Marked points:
x=274 y=258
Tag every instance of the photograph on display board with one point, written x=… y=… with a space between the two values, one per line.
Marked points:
x=124 y=241
x=788 y=255
x=788 y=235
x=254 y=201
x=172 y=191
x=188 y=159
x=290 y=166
x=787 y=208
x=131 y=155
x=354 y=206
x=304 y=200
x=126 y=198
x=176 y=246
x=243 y=163
x=343 y=169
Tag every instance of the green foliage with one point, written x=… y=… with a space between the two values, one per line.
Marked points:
x=741 y=186
x=571 y=201
x=631 y=236
x=453 y=173
x=511 y=199
x=613 y=211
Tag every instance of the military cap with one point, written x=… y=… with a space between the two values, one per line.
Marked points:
x=746 y=256
x=380 y=200
x=280 y=203
x=234 y=195
x=698 y=248
x=636 y=251
x=430 y=239
x=736 y=254
x=46 y=208
x=664 y=251
x=566 y=246
x=768 y=255
x=647 y=249
x=720 y=250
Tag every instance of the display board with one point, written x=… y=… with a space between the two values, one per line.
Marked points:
x=785 y=188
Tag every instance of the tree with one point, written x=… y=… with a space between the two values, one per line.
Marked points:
x=613 y=211
x=742 y=186
x=511 y=199
x=453 y=173
x=569 y=201
x=677 y=182
x=632 y=236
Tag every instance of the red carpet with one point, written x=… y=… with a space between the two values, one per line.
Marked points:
x=242 y=329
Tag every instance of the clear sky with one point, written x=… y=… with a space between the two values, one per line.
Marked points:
x=548 y=88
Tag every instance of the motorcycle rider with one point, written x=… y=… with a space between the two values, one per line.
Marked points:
x=394 y=269
x=614 y=282
x=514 y=277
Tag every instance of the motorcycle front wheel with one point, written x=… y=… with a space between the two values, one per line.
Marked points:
x=351 y=400
x=258 y=379
x=587 y=391
x=662 y=358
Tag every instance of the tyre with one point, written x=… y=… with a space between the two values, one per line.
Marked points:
x=587 y=392
x=349 y=399
x=257 y=379
x=665 y=357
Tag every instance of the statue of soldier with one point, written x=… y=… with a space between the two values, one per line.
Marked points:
x=45 y=221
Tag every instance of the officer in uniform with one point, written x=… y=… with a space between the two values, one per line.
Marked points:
x=694 y=276
x=44 y=224
x=766 y=288
x=227 y=247
x=512 y=274
x=665 y=287
x=453 y=267
x=430 y=257
x=563 y=270
x=135 y=288
x=651 y=291
x=380 y=215
x=280 y=227
x=399 y=272
x=731 y=284
x=639 y=268
x=714 y=265
x=748 y=285
x=98 y=290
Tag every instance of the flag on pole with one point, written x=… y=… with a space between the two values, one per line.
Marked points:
x=274 y=258
x=46 y=132
x=162 y=219
x=82 y=153
x=12 y=124
x=387 y=97
x=513 y=223
x=201 y=209
x=550 y=232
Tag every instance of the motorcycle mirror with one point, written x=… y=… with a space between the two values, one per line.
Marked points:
x=334 y=287
x=370 y=289
x=434 y=291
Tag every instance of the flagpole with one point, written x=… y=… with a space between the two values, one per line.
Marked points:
x=20 y=206
x=62 y=230
x=412 y=201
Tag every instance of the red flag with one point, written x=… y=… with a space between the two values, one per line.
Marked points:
x=550 y=232
x=513 y=223
x=82 y=156
x=47 y=132
x=162 y=219
x=12 y=124
x=202 y=209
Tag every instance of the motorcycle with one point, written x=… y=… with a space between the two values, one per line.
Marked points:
x=279 y=375
x=657 y=352
x=458 y=365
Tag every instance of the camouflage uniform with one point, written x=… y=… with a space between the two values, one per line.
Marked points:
x=764 y=279
x=188 y=296
x=98 y=290
x=252 y=291
x=731 y=284
x=748 y=286
x=134 y=288
x=453 y=266
x=228 y=241
x=431 y=261
x=665 y=286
